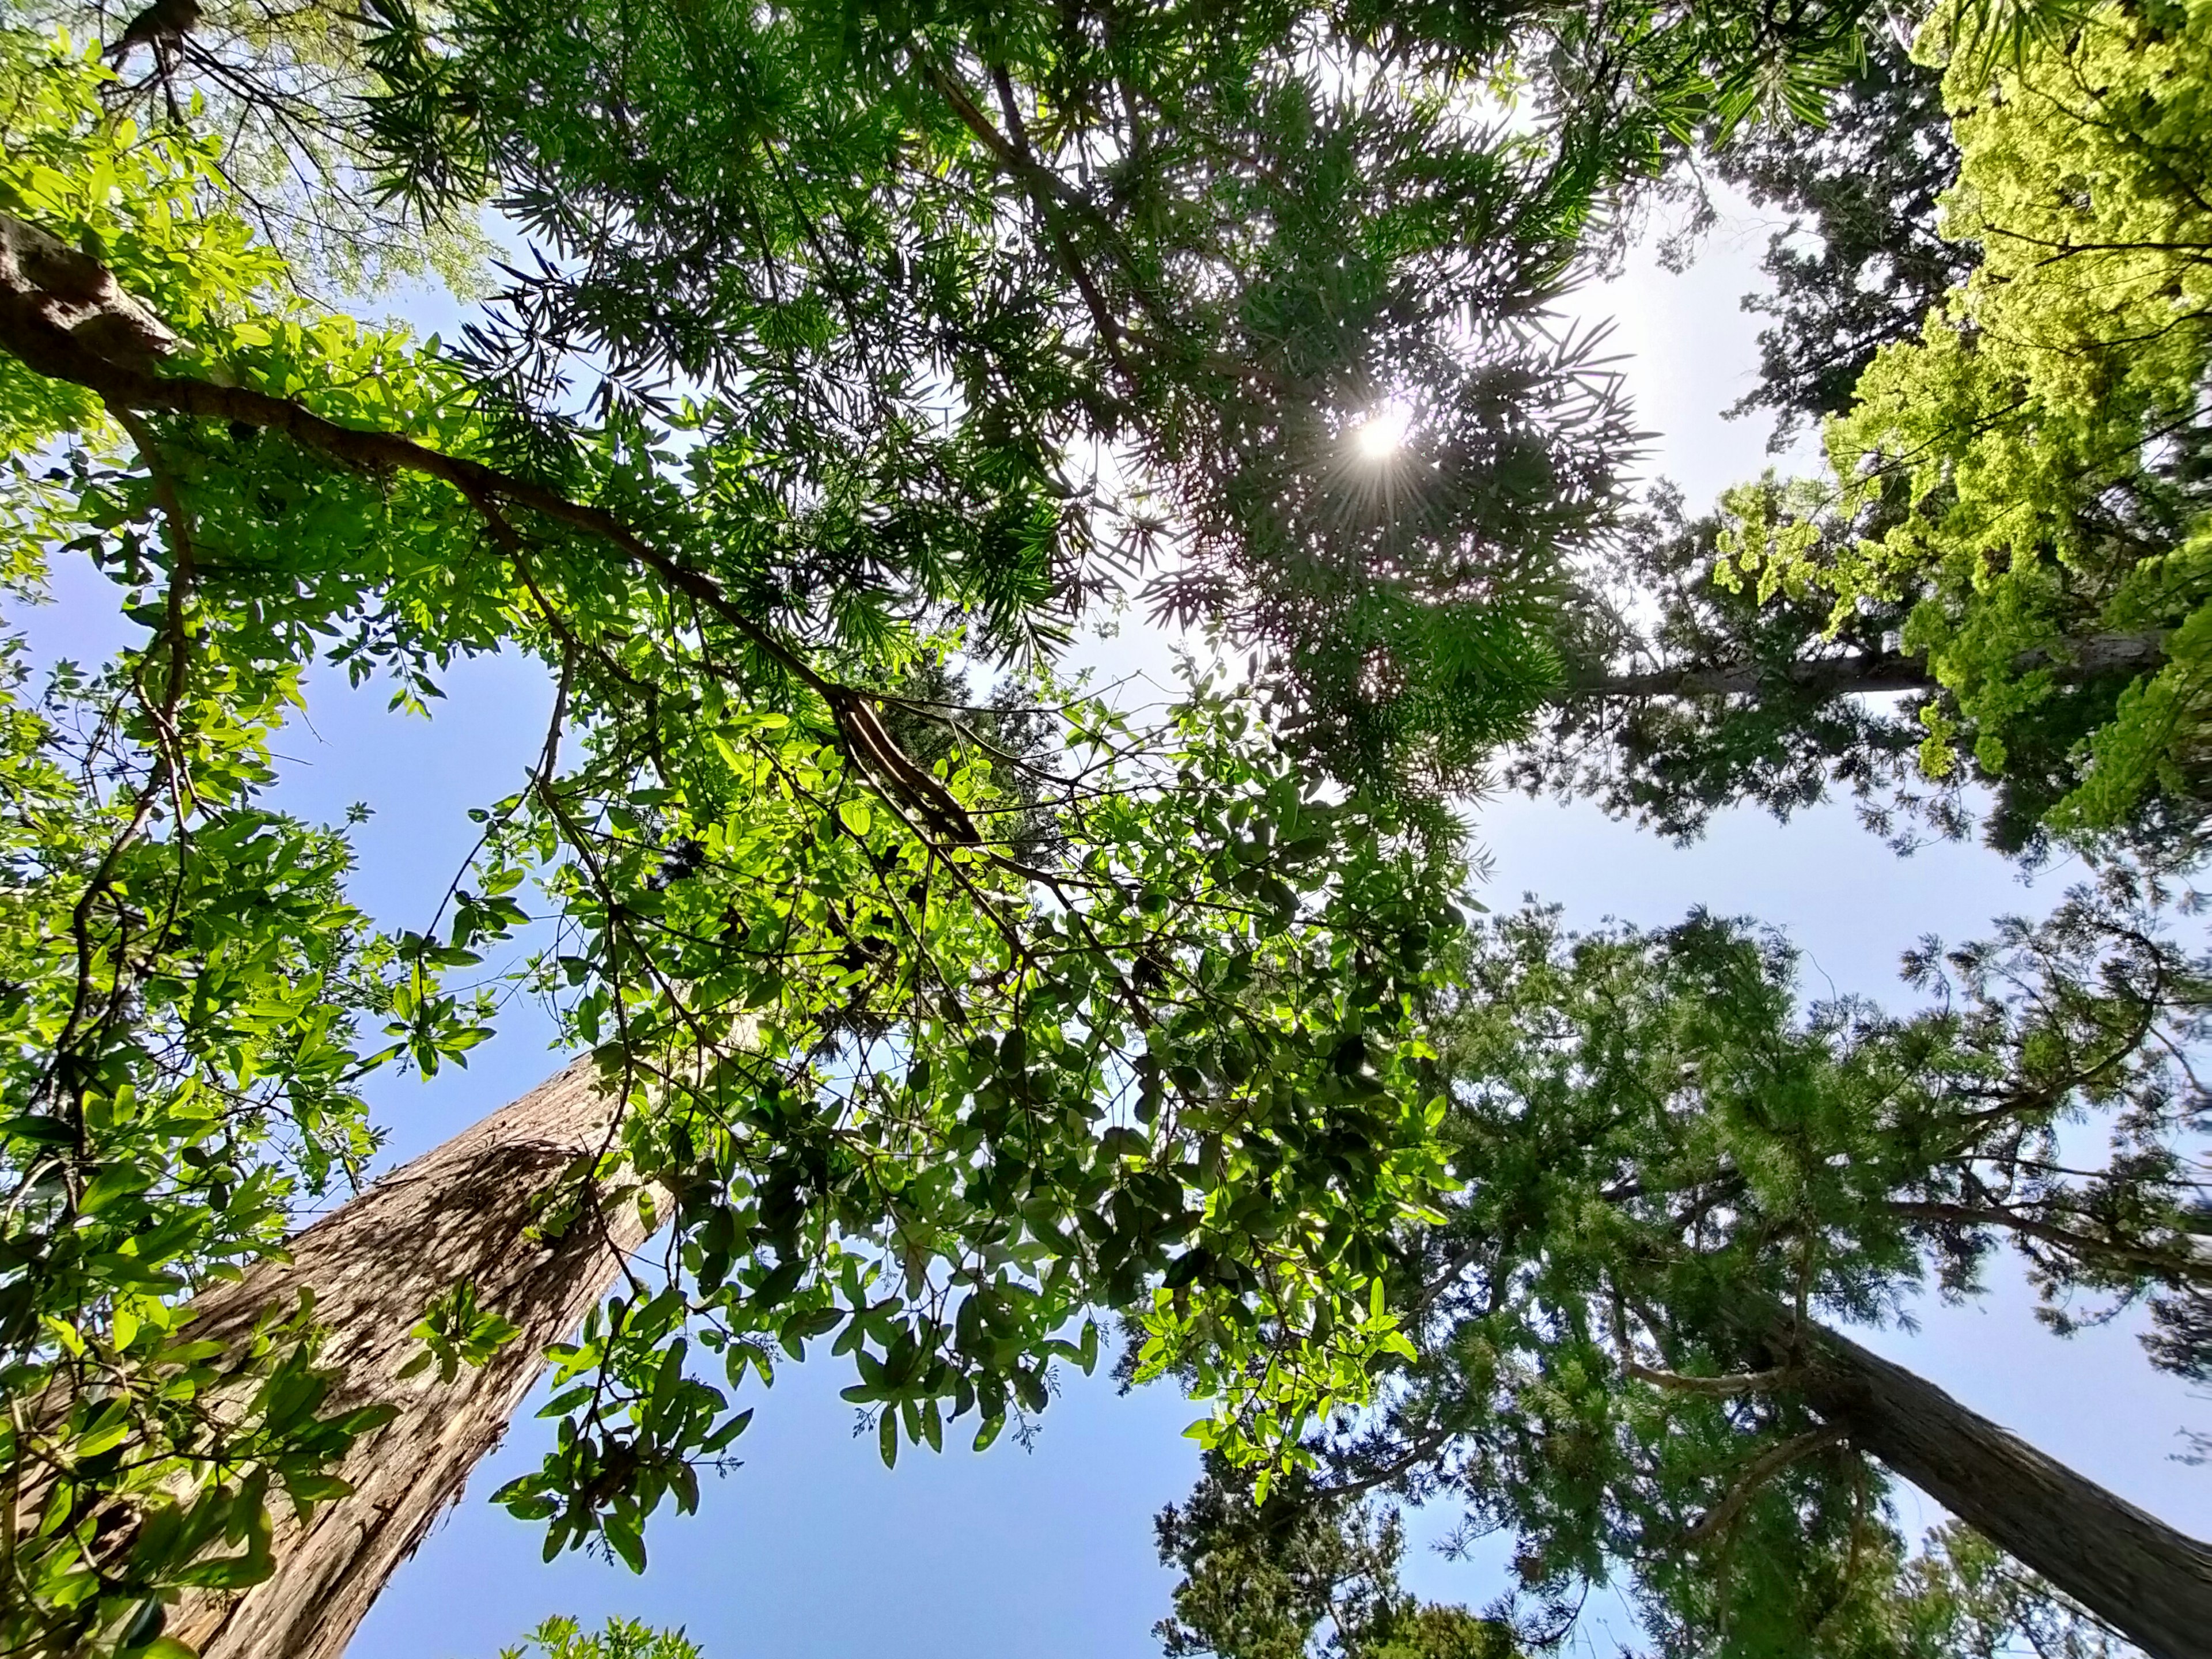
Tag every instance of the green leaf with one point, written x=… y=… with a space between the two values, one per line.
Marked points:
x=625 y=1540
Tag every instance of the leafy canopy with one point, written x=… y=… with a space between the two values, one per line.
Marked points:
x=856 y=347
x=913 y=1078
x=2045 y=433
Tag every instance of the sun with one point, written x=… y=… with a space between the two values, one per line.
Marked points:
x=1382 y=434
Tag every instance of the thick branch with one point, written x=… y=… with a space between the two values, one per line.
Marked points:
x=1862 y=671
x=78 y=345
x=1718 y=1387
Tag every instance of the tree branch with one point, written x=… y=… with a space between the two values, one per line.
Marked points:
x=1962 y=1215
x=1764 y=1468
x=1860 y=671
x=66 y=338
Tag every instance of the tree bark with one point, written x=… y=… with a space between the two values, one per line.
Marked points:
x=2147 y=1581
x=1856 y=673
x=459 y=1212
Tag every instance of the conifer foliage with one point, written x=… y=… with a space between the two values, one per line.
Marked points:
x=934 y=1010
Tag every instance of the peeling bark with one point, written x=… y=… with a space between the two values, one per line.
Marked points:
x=2145 y=1579
x=459 y=1212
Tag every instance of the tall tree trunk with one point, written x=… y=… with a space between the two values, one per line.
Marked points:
x=459 y=1212
x=2152 y=1583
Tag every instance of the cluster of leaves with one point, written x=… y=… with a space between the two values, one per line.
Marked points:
x=896 y=1102
x=621 y=1638
x=2045 y=436
x=1315 y=1574
x=1658 y=1147
x=897 y=1081
x=1684 y=696
x=189 y=1000
x=937 y=1031
x=1859 y=262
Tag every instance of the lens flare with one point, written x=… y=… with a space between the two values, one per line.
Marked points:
x=1383 y=433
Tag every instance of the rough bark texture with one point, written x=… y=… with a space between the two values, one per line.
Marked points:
x=458 y=1212
x=2152 y=1583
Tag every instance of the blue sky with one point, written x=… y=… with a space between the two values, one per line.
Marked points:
x=812 y=1550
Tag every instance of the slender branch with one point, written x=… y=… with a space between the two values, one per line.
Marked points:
x=1764 y=1468
x=1048 y=190
x=1962 y=1215
x=1426 y=1447
x=61 y=353
x=1721 y=1388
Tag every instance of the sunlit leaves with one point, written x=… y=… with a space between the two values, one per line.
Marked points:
x=2045 y=433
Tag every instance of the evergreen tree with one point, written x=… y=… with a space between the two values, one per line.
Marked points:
x=1859 y=262
x=1674 y=1175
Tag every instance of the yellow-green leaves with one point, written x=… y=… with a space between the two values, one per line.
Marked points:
x=2023 y=470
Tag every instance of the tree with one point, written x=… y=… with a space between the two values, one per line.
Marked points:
x=1261 y=1580
x=898 y=1071
x=860 y=1047
x=1717 y=701
x=1673 y=1176
x=2029 y=474
x=1685 y=694
x=622 y=1638
x=1859 y=263
x=1956 y=1598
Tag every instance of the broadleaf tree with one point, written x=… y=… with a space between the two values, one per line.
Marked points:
x=938 y=1057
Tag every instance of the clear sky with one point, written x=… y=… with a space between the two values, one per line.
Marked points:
x=812 y=1550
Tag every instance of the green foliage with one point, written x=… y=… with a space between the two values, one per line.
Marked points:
x=915 y=1095
x=191 y=1002
x=1262 y=1583
x=456 y=1331
x=1164 y=364
x=2046 y=433
x=279 y=79
x=1961 y=1596
x=1859 y=262
x=941 y=1044
x=623 y=1638
x=1692 y=697
x=1657 y=1143
x=1302 y=1571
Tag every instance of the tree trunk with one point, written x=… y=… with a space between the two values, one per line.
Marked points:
x=2149 y=1581
x=1857 y=672
x=458 y=1212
